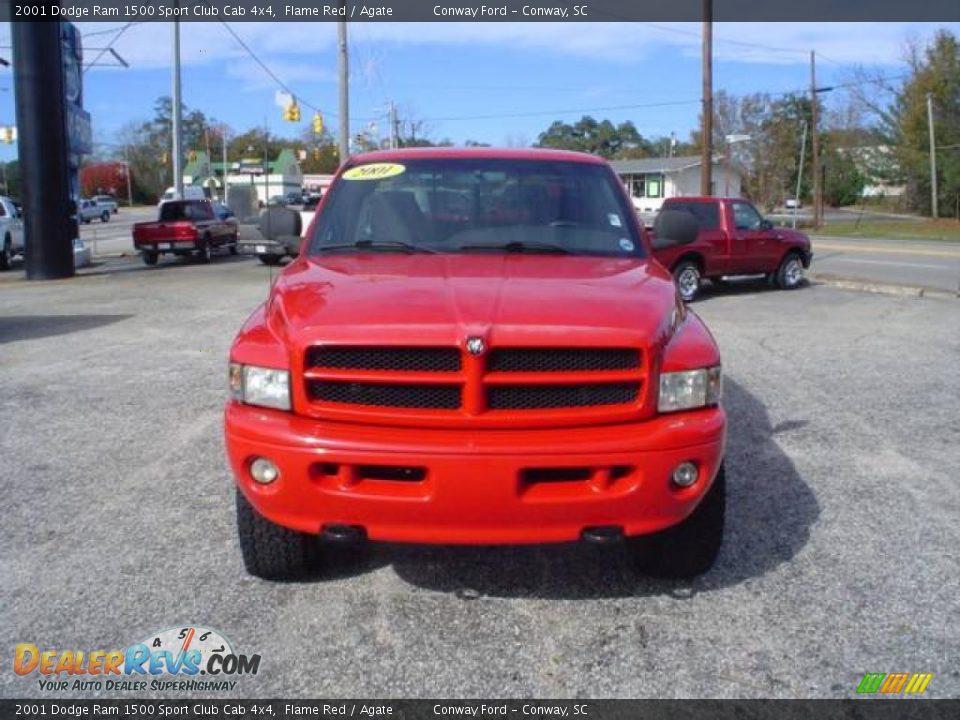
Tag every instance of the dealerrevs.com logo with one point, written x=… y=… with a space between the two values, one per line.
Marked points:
x=188 y=659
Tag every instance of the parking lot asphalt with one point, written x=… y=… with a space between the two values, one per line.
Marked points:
x=839 y=557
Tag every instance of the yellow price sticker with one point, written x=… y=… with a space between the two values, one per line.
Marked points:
x=374 y=171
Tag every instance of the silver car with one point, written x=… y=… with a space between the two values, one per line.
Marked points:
x=91 y=210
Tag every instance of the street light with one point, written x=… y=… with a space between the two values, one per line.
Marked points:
x=730 y=141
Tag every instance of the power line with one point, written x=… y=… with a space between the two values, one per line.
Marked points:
x=109 y=31
x=565 y=112
x=263 y=66
x=109 y=46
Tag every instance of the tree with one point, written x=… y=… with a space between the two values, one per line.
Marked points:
x=598 y=138
x=934 y=70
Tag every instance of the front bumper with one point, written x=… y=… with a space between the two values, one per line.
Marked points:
x=476 y=486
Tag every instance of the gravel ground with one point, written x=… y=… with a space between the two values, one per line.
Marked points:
x=839 y=559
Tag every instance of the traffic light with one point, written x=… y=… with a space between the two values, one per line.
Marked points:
x=291 y=113
x=317 y=123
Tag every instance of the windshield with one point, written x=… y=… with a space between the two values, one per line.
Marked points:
x=477 y=205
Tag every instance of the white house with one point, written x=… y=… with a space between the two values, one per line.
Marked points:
x=651 y=180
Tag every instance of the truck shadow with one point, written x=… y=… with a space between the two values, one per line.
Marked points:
x=770 y=511
x=32 y=327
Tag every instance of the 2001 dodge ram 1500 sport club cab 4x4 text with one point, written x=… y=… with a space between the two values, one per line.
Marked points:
x=475 y=347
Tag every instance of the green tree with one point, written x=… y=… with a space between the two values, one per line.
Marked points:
x=934 y=70
x=601 y=138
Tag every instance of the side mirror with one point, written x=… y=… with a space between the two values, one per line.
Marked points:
x=674 y=227
x=766 y=224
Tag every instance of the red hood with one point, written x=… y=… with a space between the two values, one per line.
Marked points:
x=440 y=299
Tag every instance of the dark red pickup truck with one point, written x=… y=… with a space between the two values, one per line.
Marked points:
x=185 y=227
x=734 y=239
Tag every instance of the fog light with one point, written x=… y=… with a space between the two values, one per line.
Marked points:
x=264 y=471
x=685 y=474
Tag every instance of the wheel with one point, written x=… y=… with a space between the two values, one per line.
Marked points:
x=150 y=258
x=690 y=548
x=271 y=259
x=6 y=254
x=86 y=221
x=233 y=245
x=270 y=551
x=204 y=251
x=686 y=276
x=105 y=217
x=790 y=274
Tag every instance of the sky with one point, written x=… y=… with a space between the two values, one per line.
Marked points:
x=499 y=83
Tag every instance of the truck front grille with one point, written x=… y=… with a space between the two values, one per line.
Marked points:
x=562 y=359
x=448 y=386
x=445 y=397
x=423 y=359
x=540 y=397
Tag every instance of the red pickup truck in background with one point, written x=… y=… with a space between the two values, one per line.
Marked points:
x=734 y=239
x=186 y=227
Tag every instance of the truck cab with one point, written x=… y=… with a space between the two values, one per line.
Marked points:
x=475 y=346
x=734 y=239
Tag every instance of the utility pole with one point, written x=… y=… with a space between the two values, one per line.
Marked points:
x=394 y=135
x=344 y=89
x=177 y=115
x=815 y=144
x=803 y=151
x=934 y=210
x=706 y=126
x=223 y=141
x=126 y=168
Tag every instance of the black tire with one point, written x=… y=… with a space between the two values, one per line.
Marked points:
x=233 y=245
x=687 y=277
x=270 y=551
x=204 y=251
x=790 y=274
x=6 y=254
x=271 y=259
x=105 y=217
x=86 y=221
x=150 y=258
x=690 y=548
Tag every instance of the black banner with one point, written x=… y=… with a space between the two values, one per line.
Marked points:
x=875 y=709
x=469 y=11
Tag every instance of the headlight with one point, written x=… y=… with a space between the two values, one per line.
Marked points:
x=689 y=389
x=266 y=387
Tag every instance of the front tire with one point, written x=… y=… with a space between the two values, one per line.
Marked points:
x=271 y=259
x=270 y=551
x=686 y=276
x=105 y=217
x=233 y=244
x=790 y=274
x=690 y=548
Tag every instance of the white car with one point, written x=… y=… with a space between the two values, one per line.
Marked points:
x=791 y=203
x=11 y=232
x=107 y=201
x=91 y=210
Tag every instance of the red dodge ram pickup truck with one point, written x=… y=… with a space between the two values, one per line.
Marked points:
x=184 y=227
x=734 y=239
x=475 y=347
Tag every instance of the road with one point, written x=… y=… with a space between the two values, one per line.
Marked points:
x=901 y=262
x=839 y=558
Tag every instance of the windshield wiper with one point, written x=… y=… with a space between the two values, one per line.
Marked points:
x=519 y=247
x=377 y=245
